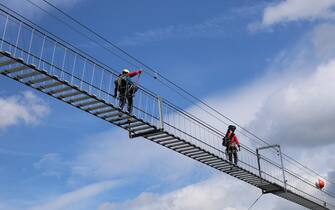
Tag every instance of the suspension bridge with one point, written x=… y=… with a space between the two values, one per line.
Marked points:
x=38 y=59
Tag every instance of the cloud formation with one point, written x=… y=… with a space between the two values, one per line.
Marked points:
x=26 y=108
x=209 y=28
x=215 y=27
x=297 y=10
x=292 y=102
x=136 y=158
x=302 y=112
x=65 y=200
x=216 y=193
x=51 y=164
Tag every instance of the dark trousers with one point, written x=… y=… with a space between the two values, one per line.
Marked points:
x=232 y=152
x=122 y=101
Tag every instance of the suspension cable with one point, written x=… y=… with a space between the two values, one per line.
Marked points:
x=255 y=201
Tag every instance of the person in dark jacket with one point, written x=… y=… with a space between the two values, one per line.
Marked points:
x=125 y=88
x=231 y=142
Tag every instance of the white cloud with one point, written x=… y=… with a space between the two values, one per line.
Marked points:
x=51 y=164
x=26 y=108
x=216 y=193
x=215 y=27
x=292 y=103
x=302 y=112
x=112 y=154
x=210 y=28
x=68 y=199
x=323 y=40
x=296 y=10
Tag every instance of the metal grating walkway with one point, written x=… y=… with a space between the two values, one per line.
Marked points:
x=37 y=59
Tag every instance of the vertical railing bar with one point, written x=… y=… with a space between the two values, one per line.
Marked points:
x=153 y=113
x=109 y=88
x=4 y=32
x=42 y=50
x=149 y=109
x=63 y=64
x=146 y=108
x=140 y=104
x=91 y=84
x=100 y=88
x=17 y=39
x=30 y=44
x=73 y=67
x=115 y=99
x=52 y=58
x=82 y=76
x=174 y=123
x=157 y=121
x=282 y=166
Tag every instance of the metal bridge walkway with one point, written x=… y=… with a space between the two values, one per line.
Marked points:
x=40 y=60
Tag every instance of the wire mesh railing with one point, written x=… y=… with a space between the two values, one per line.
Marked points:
x=37 y=47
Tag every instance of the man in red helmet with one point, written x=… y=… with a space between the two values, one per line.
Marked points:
x=231 y=142
x=125 y=88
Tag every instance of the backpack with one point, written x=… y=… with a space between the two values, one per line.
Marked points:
x=121 y=84
x=227 y=140
x=132 y=88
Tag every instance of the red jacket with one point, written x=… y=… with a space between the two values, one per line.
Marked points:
x=134 y=73
x=234 y=139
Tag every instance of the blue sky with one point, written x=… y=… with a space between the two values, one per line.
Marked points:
x=267 y=64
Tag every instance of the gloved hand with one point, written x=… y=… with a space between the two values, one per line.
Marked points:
x=239 y=148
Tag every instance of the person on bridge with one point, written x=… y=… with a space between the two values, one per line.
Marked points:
x=125 y=88
x=231 y=142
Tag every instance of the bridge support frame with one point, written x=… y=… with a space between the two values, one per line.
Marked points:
x=281 y=161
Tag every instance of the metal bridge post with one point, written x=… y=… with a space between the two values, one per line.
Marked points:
x=281 y=161
x=282 y=166
x=259 y=166
x=160 y=109
x=259 y=162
